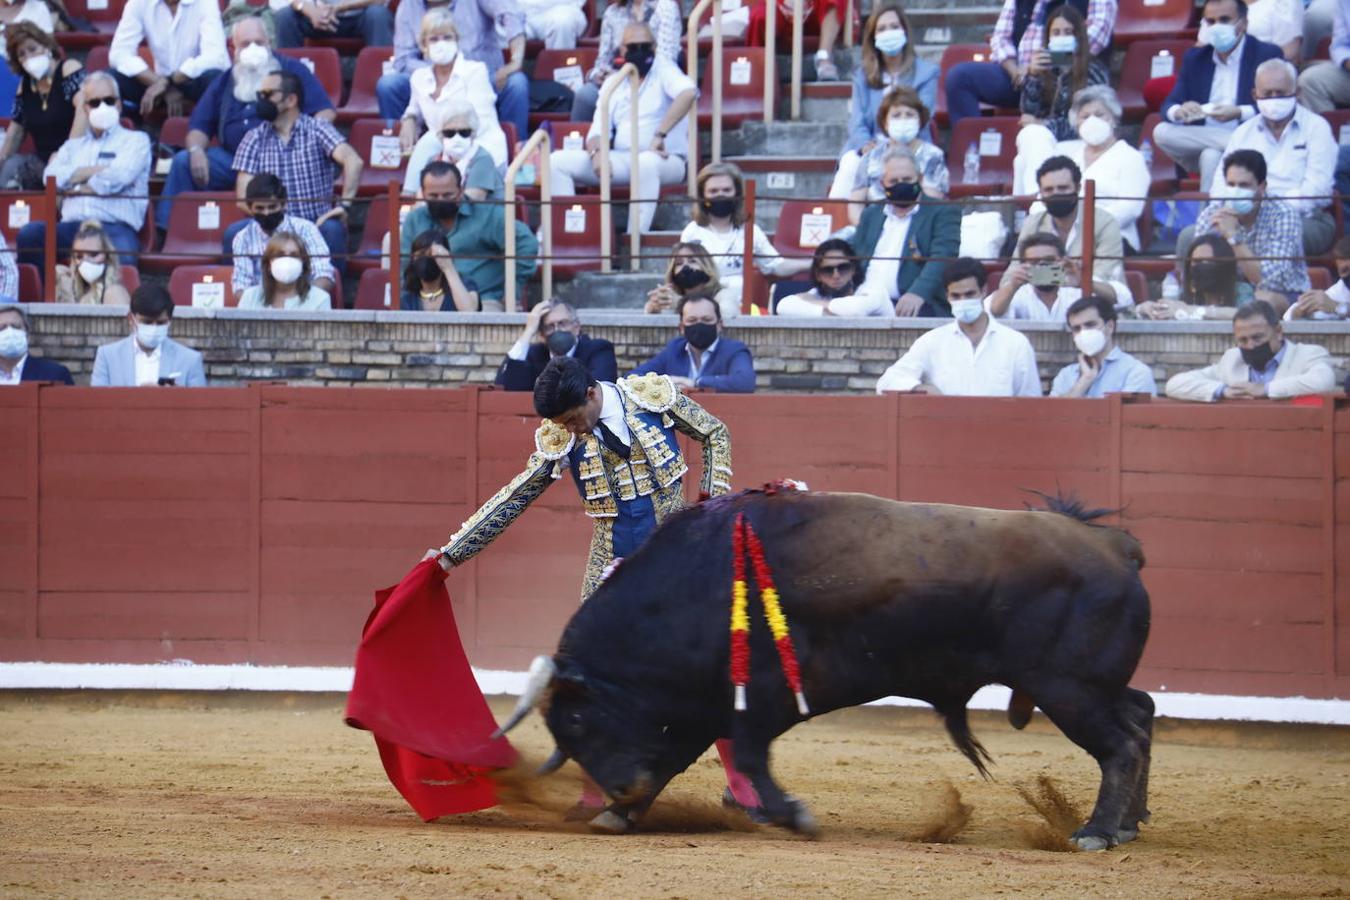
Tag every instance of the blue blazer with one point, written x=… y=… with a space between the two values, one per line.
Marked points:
x=596 y=354
x=1197 y=74
x=728 y=368
x=35 y=368
x=115 y=365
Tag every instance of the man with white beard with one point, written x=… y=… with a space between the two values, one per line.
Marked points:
x=228 y=110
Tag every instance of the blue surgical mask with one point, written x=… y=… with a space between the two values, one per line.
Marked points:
x=1062 y=43
x=13 y=342
x=1223 y=36
x=967 y=311
x=892 y=43
x=1240 y=200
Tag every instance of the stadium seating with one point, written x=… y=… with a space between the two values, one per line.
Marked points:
x=374 y=291
x=324 y=63
x=202 y=285
x=197 y=222
x=1164 y=170
x=1143 y=19
x=17 y=210
x=376 y=174
x=802 y=226
x=996 y=139
x=174 y=132
x=742 y=88
x=102 y=14
x=30 y=283
x=362 y=102
x=1146 y=60
x=953 y=55
x=367 y=254
x=572 y=64
x=576 y=235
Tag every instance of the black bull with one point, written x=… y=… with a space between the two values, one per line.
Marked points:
x=883 y=598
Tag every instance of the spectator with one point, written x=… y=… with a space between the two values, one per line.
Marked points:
x=1102 y=367
x=229 y=110
x=15 y=364
x=287 y=279
x=905 y=121
x=9 y=275
x=904 y=245
x=888 y=61
x=1213 y=92
x=457 y=142
x=94 y=275
x=1016 y=40
x=661 y=16
x=1263 y=364
x=265 y=199
x=1058 y=72
x=552 y=329
x=1318 y=22
x=1264 y=232
x=369 y=20
x=304 y=152
x=1334 y=302
x=431 y=283
x=1210 y=288
x=1299 y=150
x=476 y=234
x=974 y=356
x=485 y=29
x=1278 y=22
x=1045 y=283
x=664 y=101
x=1122 y=176
x=35 y=13
x=1325 y=86
x=834 y=280
x=44 y=106
x=701 y=357
x=691 y=268
x=103 y=174
x=186 y=42
x=148 y=356
x=1060 y=182
x=558 y=23
x=719 y=225
x=828 y=15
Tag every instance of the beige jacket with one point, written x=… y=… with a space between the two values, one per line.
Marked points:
x=1305 y=369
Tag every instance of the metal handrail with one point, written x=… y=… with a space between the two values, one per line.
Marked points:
x=796 y=110
x=539 y=141
x=770 y=60
x=629 y=72
x=691 y=57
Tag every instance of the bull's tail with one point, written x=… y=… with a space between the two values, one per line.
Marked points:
x=958 y=726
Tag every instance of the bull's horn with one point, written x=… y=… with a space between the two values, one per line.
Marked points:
x=553 y=763
x=541 y=673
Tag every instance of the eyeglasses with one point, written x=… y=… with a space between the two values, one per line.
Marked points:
x=96 y=102
x=457 y=132
x=840 y=269
x=550 y=327
x=268 y=95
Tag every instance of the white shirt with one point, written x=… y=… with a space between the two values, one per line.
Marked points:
x=37 y=12
x=1223 y=89
x=1338 y=293
x=147 y=364
x=1026 y=304
x=1276 y=21
x=191 y=40
x=611 y=413
x=696 y=365
x=1302 y=163
x=16 y=376
x=468 y=81
x=1120 y=172
x=727 y=249
x=656 y=94
x=1003 y=365
x=883 y=273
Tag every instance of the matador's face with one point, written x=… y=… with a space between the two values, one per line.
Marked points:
x=581 y=420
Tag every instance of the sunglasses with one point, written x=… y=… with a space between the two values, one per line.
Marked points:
x=638 y=48
x=840 y=269
x=96 y=102
x=457 y=132
x=268 y=95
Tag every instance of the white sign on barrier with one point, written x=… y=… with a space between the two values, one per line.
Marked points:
x=574 y=141
x=574 y=220
x=208 y=216
x=816 y=228
x=1162 y=65
x=385 y=152
x=569 y=76
x=991 y=143
x=740 y=72
x=20 y=213
x=208 y=293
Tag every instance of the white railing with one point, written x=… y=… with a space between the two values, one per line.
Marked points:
x=538 y=142
x=796 y=110
x=715 y=69
x=628 y=72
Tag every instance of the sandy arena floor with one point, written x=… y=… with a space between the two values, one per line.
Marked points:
x=248 y=796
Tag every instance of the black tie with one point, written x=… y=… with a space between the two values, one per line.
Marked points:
x=612 y=440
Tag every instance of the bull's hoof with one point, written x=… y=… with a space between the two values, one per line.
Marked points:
x=610 y=822
x=803 y=822
x=753 y=813
x=1085 y=839
x=1125 y=835
x=581 y=812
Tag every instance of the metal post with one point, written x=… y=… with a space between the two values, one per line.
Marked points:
x=770 y=61
x=691 y=63
x=715 y=67
x=49 y=241
x=628 y=72
x=796 y=59
x=539 y=141
x=748 y=263
x=1088 y=236
x=395 y=238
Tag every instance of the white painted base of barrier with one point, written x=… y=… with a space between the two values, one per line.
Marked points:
x=186 y=676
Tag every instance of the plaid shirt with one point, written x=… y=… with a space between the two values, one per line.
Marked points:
x=9 y=274
x=1275 y=238
x=1101 y=18
x=304 y=164
x=250 y=243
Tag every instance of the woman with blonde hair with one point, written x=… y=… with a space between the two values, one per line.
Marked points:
x=690 y=269
x=94 y=275
x=719 y=225
x=286 y=279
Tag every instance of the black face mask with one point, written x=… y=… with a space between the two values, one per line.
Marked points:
x=720 y=207
x=687 y=278
x=1258 y=357
x=559 y=342
x=267 y=110
x=641 y=56
x=904 y=193
x=425 y=268
x=1345 y=280
x=830 y=293
x=1061 y=206
x=440 y=210
x=1207 y=276
x=269 y=222
x=701 y=335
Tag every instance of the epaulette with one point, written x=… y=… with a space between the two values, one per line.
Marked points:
x=652 y=392
x=552 y=440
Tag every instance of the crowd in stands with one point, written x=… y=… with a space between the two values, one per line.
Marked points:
x=1247 y=112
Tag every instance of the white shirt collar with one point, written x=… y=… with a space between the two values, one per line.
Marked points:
x=611 y=411
x=17 y=375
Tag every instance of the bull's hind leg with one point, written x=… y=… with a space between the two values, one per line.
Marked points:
x=1138 y=708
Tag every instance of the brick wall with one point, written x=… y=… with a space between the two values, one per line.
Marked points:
x=424 y=349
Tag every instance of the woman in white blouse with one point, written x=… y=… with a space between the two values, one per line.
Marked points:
x=1119 y=170
x=286 y=279
x=719 y=225
x=449 y=77
x=1279 y=22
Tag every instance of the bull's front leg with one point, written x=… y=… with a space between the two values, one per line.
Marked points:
x=752 y=760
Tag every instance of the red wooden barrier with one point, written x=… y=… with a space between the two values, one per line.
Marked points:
x=253 y=524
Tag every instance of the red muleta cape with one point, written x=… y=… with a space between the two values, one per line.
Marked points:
x=415 y=692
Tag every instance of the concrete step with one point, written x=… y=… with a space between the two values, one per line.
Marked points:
x=613 y=290
x=792 y=139
x=937 y=26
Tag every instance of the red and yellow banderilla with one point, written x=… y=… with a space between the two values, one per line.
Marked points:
x=744 y=541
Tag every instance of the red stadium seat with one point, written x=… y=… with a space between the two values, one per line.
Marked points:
x=197 y=222
x=1164 y=170
x=571 y=63
x=797 y=235
x=1144 y=61
x=30 y=283
x=17 y=210
x=190 y=284
x=377 y=173
x=1323 y=50
x=1137 y=282
x=1320 y=277
x=566 y=134
x=1339 y=120
x=97 y=60
x=362 y=102
x=742 y=88
x=1139 y=19
x=131 y=279
x=367 y=254
x=576 y=235
x=953 y=55
x=174 y=131
x=102 y=14
x=374 y=291
x=324 y=63
x=988 y=133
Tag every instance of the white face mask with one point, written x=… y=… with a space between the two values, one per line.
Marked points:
x=455 y=147
x=91 y=271
x=1095 y=131
x=1090 y=341
x=151 y=336
x=1062 y=43
x=38 y=66
x=103 y=117
x=286 y=269
x=1277 y=109
x=253 y=56
x=902 y=130
x=13 y=342
x=442 y=52
x=967 y=311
